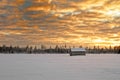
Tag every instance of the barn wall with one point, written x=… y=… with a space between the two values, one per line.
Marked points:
x=77 y=53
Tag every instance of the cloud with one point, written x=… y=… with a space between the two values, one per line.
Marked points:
x=59 y=21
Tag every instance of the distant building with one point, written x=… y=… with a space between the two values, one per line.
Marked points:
x=77 y=51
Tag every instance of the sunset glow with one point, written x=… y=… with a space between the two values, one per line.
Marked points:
x=51 y=22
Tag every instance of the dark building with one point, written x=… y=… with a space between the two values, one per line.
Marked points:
x=77 y=51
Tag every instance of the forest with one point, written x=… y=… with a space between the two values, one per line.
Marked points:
x=56 y=50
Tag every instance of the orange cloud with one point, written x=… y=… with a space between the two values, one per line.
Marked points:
x=75 y=22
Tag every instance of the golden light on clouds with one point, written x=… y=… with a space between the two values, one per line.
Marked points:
x=113 y=13
x=72 y=22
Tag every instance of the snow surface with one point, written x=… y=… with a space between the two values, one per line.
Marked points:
x=59 y=67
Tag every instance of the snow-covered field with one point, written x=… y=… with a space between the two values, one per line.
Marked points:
x=59 y=67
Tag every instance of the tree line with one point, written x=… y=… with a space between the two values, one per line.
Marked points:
x=34 y=50
x=57 y=49
x=110 y=49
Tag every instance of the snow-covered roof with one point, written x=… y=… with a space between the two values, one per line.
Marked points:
x=78 y=49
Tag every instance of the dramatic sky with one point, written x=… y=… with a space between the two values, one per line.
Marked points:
x=73 y=22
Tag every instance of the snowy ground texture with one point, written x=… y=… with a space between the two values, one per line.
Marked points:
x=59 y=67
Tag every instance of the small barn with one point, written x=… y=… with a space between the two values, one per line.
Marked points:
x=77 y=51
